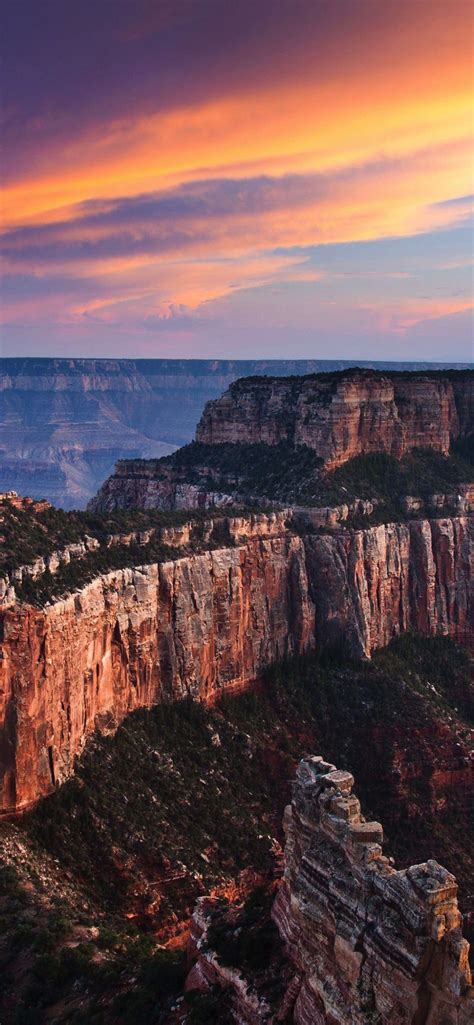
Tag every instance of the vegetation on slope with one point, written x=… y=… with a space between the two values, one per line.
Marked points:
x=184 y=798
x=276 y=473
x=273 y=472
x=287 y=474
x=27 y=535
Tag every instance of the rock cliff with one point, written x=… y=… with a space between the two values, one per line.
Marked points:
x=368 y=943
x=343 y=415
x=371 y=585
x=210 y=621
x=150 y=484
x=135 y=637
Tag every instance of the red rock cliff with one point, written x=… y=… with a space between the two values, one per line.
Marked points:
x=344 y=415
x=206 y=622
x=368 y=943
x=138 y=636
x=368 y=586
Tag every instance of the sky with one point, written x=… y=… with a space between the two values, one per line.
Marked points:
x=237 y=178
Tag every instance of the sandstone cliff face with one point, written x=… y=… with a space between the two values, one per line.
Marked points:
x=345 y=415
x=368 y=586
x=211 y=621
x=135 y=637
x=368 y=943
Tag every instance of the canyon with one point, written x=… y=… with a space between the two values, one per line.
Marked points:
x=184 y=803
x=154 y=484
x=163 y=672
x=209 y=622
x=277 y=440
x=65 y=422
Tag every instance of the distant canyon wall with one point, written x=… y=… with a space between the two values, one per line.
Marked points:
x=209 y=622
x=148 y=484
x=342 y=416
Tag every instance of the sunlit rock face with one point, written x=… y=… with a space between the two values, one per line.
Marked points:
x=206 y=622
x=345 y=415
x=368 y=943
x=338 y=416
x=371 y=585
x=135 y=637
x=65 y=422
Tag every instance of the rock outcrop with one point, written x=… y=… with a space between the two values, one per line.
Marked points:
x=344 y=415
x=368 y=943
x=276 y=441
x=457 y=503
x=210 y=621
x=51 y=563
x=208 y=973
x=137 y=484
x=150 y=484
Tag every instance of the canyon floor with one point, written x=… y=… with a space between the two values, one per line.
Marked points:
x=99 y=882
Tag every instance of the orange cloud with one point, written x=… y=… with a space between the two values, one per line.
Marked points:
x=383 y=106
x=367 y=142
x=377 y=200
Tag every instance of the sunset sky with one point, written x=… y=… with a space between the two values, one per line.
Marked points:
x=238 y=178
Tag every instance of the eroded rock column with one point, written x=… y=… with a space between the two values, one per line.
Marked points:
x=368 y=943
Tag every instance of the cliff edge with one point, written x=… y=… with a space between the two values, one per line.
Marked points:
x=318 y=440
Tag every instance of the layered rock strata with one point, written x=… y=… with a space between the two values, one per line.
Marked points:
x=149 y=484
x=50 y=563
x=182 y=536
x=369 y=586
x=368 y=943
x=138 y=636
x=344 y=415
x=210 y=621
x=459 y=503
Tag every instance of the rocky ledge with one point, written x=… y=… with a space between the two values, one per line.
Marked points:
x=368 y=943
